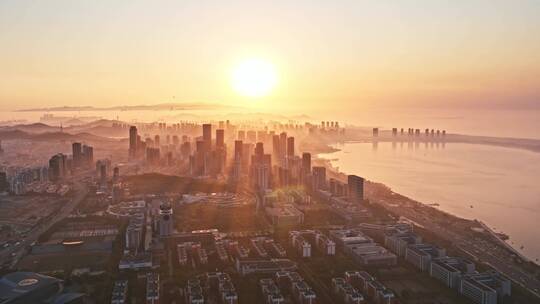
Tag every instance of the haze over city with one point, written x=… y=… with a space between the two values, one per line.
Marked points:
x=278 y=152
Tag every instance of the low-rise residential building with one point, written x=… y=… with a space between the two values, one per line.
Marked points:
x=367 y=284
x=420 y=255
x=346 y=293
x=324 y=244
x=193 y=292
x=398 y=243
x=449 y=270
x=485 y=288
x=303 y=247
x=271 y=292
x=293 y=282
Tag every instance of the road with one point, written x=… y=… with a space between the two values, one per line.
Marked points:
x=16 y=252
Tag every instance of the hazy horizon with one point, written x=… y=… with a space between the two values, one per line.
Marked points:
x=348 y=55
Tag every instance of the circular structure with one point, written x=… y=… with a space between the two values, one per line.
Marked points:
x=27 y=282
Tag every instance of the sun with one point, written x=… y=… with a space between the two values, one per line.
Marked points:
x=254 y=78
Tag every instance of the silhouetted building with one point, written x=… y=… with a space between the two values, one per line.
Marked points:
x=276 y=147
x=88 y=156
x=220 y=138
x=102 y=173
x=290 y=147
x=356 y=188
x=242 y=135
x=207 y=136
x=116 y=174
x=306 y=164
x=319 y=178
x=261 y=165
x=57 y=167
x=251 y=136
x=132 y=142
x=77 y=154
x=153 y=156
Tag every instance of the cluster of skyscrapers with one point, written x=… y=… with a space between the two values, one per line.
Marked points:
x=62 y=165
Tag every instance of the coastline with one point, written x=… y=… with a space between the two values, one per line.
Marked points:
x=375 y=189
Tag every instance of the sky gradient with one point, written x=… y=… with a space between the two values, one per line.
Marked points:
x=329 y=54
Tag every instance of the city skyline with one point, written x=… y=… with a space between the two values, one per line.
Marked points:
x=270 y=152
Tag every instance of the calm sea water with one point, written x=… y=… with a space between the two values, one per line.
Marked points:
x=502 y=184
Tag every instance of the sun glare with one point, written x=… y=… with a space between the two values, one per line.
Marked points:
x=254 y=78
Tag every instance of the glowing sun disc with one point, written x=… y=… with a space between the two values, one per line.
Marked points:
x=254 y=78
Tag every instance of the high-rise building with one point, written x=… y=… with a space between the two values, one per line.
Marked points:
x=283 y=143
x=132 y=142
x=207 y=136
x=261 y=165
x=375 y=132
x=275 y=146
x=251 y=136
x=166 y=226
x=237 y=159
x=220 y=138
x=261 y=136
x=88 y=156
x=306 y=164
x=356 y=188
x=157 y=142
x=290 y=147
x=103 y=173
x=57 y=167
x=282 y=147
x=238 y=148
x=77 y=154
x=259 y=149
x=241 y=135
x=185 y=149
x=116 y=174
x=319 y=177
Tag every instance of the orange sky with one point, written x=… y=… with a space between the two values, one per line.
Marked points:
x=345 y=54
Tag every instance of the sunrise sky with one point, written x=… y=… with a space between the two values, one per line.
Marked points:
x=327 y=54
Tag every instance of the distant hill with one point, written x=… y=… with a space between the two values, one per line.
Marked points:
x=51 y=136
x=31 y=128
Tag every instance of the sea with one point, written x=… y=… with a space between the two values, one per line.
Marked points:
x=496 y=185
